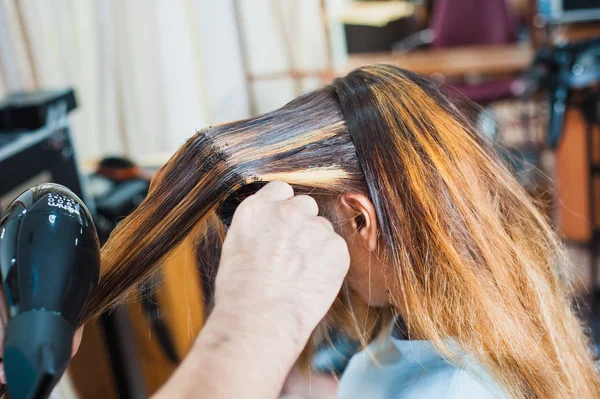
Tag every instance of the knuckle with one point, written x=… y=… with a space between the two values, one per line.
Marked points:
x=338 y=245
x=280 y=187
x=249 y=205
x=307 y=200
x=291 y=208
x=325 y=223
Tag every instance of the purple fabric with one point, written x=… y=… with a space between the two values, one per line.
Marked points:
x=485 y=93
x=472 y=22
x=476 y=22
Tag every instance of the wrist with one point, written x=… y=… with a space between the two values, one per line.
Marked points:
x=261 y=325
x=238 y=354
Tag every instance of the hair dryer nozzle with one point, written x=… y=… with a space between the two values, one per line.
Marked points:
x=37 y=351
x=50 y=263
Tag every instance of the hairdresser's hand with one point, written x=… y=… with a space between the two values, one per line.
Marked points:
x=281 y=263
x=281 y=269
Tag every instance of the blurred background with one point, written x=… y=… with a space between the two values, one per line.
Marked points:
x=97 y=94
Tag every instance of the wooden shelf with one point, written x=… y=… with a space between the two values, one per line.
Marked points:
x=455 y=61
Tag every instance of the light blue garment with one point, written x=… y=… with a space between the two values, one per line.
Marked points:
x=413 y=370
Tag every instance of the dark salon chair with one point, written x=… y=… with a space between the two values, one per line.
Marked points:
x=460 y=23
x=464 y=23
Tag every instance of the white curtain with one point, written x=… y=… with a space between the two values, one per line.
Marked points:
x=148 y=73
x=283 y=34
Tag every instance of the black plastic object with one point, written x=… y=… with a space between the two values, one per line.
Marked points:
x=559 y=69
x=50 y=264
x=32 y=110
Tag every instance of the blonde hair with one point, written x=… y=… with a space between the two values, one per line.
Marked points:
x=474 y=260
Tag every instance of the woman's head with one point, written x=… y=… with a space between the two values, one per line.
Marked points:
x=439 y=231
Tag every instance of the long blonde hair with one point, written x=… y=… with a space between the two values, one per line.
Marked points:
x=474 y=260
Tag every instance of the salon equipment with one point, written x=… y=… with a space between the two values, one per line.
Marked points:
x=118 y=186
x=36 y=147
x=570 y=73
x=375 y=26
x=50 y=264
x=491 y=23
x=563 y=11
x=559 y=69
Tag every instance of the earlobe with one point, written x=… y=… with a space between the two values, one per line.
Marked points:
x=358 y=208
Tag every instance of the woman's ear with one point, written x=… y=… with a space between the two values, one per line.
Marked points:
x=360 y=211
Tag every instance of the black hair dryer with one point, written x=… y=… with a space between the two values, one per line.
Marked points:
x=50 y=264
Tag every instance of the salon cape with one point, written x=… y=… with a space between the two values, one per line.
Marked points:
x=402 y=369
